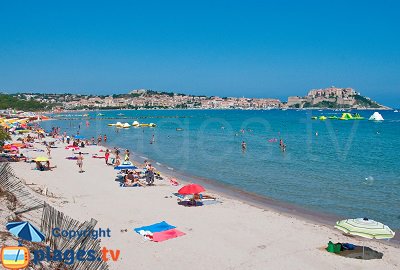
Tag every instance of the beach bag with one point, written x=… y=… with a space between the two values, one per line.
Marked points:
x=331 y=247
x=337 y=248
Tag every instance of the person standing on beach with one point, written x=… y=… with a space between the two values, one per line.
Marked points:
x=48 y=151
x=79 y=162
x=92 y=140
x=99 y=140
x=127 y=154
x=106 y=156
x=150 y=175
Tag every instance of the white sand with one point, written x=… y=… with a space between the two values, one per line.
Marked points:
x=231 y=235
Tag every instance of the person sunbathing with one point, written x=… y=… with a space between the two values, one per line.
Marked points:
x=132 y=180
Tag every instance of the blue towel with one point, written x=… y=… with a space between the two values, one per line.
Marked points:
x=157 y=227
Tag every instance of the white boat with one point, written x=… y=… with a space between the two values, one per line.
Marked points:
x=135 y=124
x=395 y=111
x=376 y=117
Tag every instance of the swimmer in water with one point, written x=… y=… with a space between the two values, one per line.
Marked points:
x=244 y=146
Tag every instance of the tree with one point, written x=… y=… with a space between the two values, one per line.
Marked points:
x=4 y=136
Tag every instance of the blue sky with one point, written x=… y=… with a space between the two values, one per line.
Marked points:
x=227 y=48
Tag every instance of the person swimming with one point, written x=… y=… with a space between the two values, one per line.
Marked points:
x=244 y=146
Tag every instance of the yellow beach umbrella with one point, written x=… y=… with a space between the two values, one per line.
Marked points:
x=41 y=159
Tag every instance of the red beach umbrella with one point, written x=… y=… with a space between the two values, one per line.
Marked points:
x=191 y=189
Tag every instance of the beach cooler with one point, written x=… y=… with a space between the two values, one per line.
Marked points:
x=334 y=248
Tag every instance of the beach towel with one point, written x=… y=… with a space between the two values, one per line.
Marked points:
x=166 y=235
x=94 y=156
x=123 y=185
x=71 y=158
x=180 y=196
x=157 y=227
x=174 y=182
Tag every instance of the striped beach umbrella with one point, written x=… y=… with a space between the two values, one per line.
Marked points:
x=25 y=231
x=365 y=227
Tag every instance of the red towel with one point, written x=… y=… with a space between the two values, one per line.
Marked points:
x=166 y=235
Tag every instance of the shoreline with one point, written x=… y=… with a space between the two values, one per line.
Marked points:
x=254 y=199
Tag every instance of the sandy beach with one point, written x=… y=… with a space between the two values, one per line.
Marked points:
x=229 y=235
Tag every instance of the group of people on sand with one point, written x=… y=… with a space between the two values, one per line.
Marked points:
x=133 y=178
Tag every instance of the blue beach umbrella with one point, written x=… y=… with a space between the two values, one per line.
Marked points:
x=25 y=231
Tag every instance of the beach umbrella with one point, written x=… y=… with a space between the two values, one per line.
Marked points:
x=25 y=231
x=41 y=159
x=126 y=166
x=366 y=228
x=191 y=189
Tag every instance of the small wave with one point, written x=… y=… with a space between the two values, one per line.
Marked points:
x=143 y=157
x=158 y=163
x=369 y=181
x=169 y=168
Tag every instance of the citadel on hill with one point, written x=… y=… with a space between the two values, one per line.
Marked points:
x=333 y=97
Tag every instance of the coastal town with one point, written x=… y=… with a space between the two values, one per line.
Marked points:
x=331 y=97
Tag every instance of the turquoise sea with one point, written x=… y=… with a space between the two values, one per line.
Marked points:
x=345 y=168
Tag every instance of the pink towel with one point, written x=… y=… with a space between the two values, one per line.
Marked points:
x=166 y=235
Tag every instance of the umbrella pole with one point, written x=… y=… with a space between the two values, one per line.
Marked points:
x=363 y=251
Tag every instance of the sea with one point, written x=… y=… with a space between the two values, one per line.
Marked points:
x=344 y=168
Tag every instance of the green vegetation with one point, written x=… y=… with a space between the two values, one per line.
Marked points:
x=325 y=104
x=365 y=102
x=4 y=136
x=8 y=101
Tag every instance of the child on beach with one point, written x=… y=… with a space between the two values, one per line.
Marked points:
x=106 y=156
x=79 y=162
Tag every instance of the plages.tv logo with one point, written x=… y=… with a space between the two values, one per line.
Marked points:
x=15 y=257
x=19 y=257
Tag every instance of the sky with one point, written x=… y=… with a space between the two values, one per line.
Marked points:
x=226 y=48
